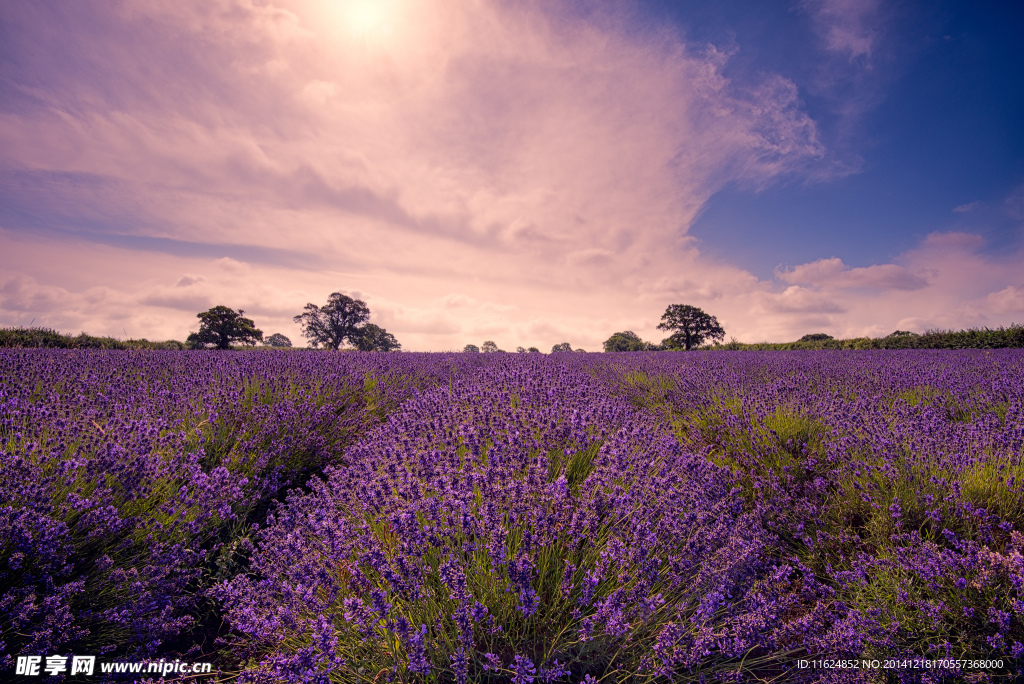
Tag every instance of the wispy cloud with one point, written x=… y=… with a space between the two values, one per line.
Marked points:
x=848 y=27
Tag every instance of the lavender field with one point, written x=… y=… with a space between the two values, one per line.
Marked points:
x=633 y=517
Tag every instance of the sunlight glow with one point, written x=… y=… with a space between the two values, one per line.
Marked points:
x=368 y=17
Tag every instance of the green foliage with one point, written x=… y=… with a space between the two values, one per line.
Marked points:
x=374 y=338
x=471 y=348
x=166 y=345
x=972 y=338
x=220 y=326
x=627 y=341
x=561 y=347
x=46 y=338
x=692 y=327
x=336 y=322
x=278 y=340
x=815 y=337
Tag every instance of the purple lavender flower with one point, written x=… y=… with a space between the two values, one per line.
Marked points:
x=523 y=670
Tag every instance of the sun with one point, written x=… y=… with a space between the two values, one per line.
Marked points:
x=365 y=17
x=373 y=27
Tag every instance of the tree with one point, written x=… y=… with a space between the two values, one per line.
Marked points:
x=691 y=325
x=220 y=326
x=627 y=341
x=375 y=338
x=471 y=348
x=816 y=337
x=336 y=322
x=533 y=350
x=278 y=340
x=561 y=347
x=489 y=347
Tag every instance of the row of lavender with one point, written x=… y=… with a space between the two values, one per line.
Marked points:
x=619 y=517
x=897 y=477
x=519 y=524
x=132 y=481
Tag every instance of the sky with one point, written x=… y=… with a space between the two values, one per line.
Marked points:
x=529 y=172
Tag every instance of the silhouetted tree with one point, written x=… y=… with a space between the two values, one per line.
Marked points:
x=691 y=325
x=533 y=350
x=335 y=323
x=375 y=338
x=277 y=340
x=815 y=337
x=489 y=347
x=220 y=326
x=471 y=348
x=561 y=347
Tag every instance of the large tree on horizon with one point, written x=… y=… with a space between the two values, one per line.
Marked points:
x=335 y=323
x=222 y=325
x=692 y=326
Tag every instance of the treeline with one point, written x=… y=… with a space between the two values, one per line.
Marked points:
x=972 y=338
x=47 y=338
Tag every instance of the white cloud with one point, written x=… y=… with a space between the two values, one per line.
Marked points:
x=833 y=273
x=1008 y=300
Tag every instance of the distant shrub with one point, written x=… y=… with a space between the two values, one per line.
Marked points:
x=627 y=341
x=47 y=338
x=278 y=340
x=972 y=338
x=166 y=345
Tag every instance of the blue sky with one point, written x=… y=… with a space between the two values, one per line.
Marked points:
x=528 y=172
x=930 y=120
